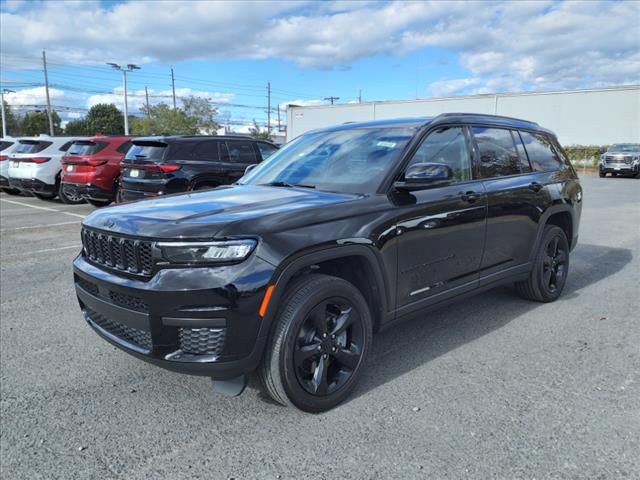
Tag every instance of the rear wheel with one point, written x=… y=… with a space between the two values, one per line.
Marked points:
x=11 y=191
x=69 y=197
x=98 y=203
x=319 y=345
x=549 y=274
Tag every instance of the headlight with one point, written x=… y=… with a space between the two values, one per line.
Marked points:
x=207 y=252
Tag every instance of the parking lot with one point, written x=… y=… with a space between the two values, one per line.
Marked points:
x=493 y=387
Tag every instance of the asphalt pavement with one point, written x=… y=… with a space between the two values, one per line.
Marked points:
x=492 y=387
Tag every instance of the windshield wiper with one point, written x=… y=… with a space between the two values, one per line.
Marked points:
x=286 y=184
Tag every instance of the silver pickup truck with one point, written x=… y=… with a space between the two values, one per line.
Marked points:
x=621 y=158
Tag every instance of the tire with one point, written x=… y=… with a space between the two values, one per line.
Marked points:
x=297 y=354
x=119 y=196
x=602 y=175
x=44 y=196
x=69 y=199
x=11 y=191
x=98 y=203
x=551 y=267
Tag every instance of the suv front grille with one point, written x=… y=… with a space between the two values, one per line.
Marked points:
x=201 y=341
x=132 y=335
x=618 y=159
x=117 y=252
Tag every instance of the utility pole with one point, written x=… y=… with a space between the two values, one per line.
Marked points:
x=360 y=95
x=332 y=99
x=125 y=69
x=146 y=96
x=46 y=89
x=4 y=120
x=269 y=108
x=279 y=127
x=173 y=88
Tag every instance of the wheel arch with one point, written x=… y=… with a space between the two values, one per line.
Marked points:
x=561 y=216
x=357 y=264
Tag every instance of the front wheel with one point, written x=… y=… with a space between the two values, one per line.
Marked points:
x=549 y=273
x=319 y=345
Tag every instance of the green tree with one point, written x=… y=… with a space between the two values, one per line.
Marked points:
x=105 y=118
x=163 y=120
x=257 y=133
x=14 y=127
x=76 y=127
x=204 y=112
x=36 y=123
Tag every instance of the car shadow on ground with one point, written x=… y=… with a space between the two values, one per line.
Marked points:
x=415 y=342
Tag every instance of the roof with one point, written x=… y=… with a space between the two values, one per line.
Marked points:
x=416 y=122
x=190 y=138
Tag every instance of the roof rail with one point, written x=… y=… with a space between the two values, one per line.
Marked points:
x=485 y=115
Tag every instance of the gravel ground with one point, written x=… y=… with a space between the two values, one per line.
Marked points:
x=493 y=387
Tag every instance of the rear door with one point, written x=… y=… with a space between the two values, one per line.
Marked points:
x=440 y=231
x=515 y=198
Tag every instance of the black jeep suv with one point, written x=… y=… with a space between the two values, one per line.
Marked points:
x=346 y=230
x=157 y=166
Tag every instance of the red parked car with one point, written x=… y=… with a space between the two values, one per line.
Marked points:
x=91 y=168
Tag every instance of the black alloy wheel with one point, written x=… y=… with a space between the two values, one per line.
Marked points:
x=554 y=264
x=329 y=346
x=69 y=197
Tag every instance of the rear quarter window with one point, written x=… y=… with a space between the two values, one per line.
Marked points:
x=241 y=152
x=5 y=145
x=541 y=153
x=266 y=150
x=66 y=146
x=124 y=148
x=499 y=153
x=206 y=150
x=31 y=146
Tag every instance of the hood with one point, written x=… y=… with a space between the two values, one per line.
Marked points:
x=223 y=212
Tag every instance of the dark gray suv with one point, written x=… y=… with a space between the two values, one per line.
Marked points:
x=621 y=159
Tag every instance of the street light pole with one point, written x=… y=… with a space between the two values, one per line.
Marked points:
x=125 y=69
x=4 y=120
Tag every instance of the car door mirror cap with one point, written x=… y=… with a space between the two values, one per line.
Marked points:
x=420 y=176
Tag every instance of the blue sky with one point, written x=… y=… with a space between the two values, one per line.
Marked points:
x=228 y=51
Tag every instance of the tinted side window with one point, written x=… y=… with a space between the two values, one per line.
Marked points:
x=207 y=150
x=124 y=148
x=448 y=146
x=541 y=154
x=5 y=145
x=241 y=152
x=498 y=153
x=266 y=150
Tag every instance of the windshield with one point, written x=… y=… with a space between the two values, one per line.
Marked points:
x=625 y=147
x=350 y=160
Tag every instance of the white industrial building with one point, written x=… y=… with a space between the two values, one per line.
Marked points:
x=579 y=117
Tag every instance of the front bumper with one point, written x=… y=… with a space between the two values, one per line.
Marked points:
x=32 y=185
x=88 y=191
x=622 y=168
x=199 y=321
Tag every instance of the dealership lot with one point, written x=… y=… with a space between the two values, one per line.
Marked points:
x=494 y=386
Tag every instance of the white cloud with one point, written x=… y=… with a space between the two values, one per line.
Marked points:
x=136 y=99
x=34 y=97
x=503 y=45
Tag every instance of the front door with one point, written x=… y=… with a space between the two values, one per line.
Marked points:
x=440 y=230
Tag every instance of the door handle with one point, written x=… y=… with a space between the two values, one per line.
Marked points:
x=470 y=197
x=535 y=186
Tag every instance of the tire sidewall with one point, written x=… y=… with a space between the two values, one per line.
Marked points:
x=294 y=391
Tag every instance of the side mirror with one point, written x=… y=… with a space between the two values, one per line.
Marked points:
x=250 y=167
x=425 y=175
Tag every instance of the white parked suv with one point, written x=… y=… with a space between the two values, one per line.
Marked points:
x=7 y=145
x=35 y=166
